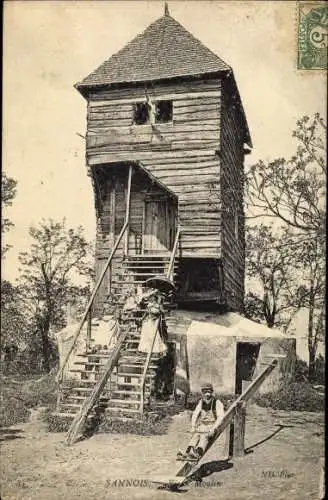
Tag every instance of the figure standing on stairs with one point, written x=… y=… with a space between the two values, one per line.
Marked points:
x=153 y=323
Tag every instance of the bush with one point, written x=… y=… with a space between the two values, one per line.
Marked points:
x=56 y=423
x=301 y=371
x=296 y=396
x=12 y=410
x=41 y=392
x=319 y=370
x=18 y=396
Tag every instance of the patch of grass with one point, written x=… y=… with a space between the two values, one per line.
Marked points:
x=56 y=423
x=12 y=409
x=152 y=423
x=19 y=394
x=295 y=396
x=41 y=392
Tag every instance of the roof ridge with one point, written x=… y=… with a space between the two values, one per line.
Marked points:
x=164 y=49
x=189 y=34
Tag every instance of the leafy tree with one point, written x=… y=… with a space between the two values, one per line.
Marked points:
x=58 y=257
x=8 y=193
x=293 y=192
x=271 y=263
x=311 y=294
x=14 y=324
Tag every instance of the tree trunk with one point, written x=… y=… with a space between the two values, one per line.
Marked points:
x=312 y=345
x=44 y=330
x=312 y=357
x=269 y=313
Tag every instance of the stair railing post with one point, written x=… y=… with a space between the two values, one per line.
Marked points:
x=170 y=270
x=88 y=339
x=127 y=211
x=144 y=373
x=100 y=279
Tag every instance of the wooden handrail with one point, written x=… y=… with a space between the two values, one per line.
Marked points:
x=147 y=362
x=80 y=419
x=100 y=279
x=90 y=303
x=145 y=369
x=173 y=254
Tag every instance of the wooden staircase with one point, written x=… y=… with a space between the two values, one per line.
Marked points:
x=130 y=386
x=135 y=270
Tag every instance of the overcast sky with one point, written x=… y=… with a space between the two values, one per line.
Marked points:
x=49 y=46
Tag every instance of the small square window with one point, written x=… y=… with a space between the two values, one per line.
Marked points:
x=163 y=111
x=141 y=113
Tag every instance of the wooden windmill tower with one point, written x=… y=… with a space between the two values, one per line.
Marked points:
x=165 y=145
x=168 y=107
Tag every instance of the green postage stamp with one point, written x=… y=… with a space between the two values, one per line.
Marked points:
x=312 y=35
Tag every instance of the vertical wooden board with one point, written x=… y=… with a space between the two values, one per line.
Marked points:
x=231 y=153
x=239 y=431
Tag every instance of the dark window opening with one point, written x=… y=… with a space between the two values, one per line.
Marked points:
x=141 y=113
x=163 y=111
x=246 y=359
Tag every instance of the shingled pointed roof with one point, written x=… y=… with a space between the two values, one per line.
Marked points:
x=164 y=50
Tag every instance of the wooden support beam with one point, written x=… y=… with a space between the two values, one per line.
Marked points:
x=188 y=468
x=88 y=342
x=127 y=212
x=239 y=430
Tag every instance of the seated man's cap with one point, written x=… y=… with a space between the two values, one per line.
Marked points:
x=207 y=385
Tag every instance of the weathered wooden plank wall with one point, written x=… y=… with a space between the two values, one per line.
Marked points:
x=111 y=209
x=182 y=154
x=232 y=160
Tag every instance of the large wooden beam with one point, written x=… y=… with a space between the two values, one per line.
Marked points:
x=188 y=468
x=239 y=430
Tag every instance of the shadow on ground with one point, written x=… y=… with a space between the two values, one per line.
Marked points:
x=279 y=428
x=209 y=468
x=10 y=434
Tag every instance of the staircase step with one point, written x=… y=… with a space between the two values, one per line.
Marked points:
x=88 y=363
x=120 y=391
x=136 y=365
x=134 y=375
x=123 y=402
x=122 y=410
x=81 y=381
x=63 y=414
x=164 y=257
x=95 y=355
x=151 y=270
x=135 y=362
x=122 y=282
x=84 y=389
x=88 y=372
x=144 y=276
x=76 y=396
x=129 y=384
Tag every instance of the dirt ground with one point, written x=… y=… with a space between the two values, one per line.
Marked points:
x=282 y=461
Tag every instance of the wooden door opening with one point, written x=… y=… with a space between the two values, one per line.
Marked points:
x=246 y=358
x=159 y=225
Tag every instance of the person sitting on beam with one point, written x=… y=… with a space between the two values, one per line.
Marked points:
x=206 y=416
